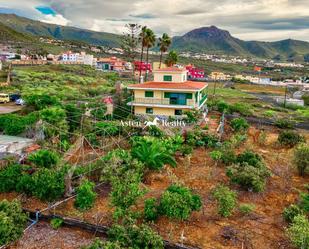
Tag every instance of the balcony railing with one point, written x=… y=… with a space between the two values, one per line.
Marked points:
x=203 y=99
x=188 y=102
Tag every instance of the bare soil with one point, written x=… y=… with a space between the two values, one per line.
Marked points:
x=263 y=229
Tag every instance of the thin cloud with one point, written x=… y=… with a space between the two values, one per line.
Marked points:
x=246 y=19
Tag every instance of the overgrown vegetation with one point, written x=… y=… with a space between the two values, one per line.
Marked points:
x=226 y=198
x=12 y=221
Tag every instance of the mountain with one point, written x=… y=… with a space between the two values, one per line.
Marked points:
x=210 y=40
x=216 y=41
x=8 y=34
x=37 y=28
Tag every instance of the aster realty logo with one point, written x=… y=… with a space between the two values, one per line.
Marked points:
x=156 y=122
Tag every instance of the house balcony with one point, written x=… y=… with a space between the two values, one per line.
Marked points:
x=168 y=103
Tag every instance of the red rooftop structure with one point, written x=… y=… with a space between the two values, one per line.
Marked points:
x=195 y=73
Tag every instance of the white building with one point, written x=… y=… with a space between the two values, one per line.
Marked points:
x=70 y=57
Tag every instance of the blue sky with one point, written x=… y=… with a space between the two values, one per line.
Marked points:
x=45 y=10
x=266 y=20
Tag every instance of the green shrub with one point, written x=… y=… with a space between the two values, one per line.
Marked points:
x=216 y=155
x=249 y=157
x=99 y=244
x=25 y=184
x=12 y=221
x=9 y=177
x=49 y=184
x=304 y=201
x=227 y=200
x=186 y=150
x=290 y=138
x=210 y=140
x=85 y=197
x=269 y=113
x=222 y=106
x=107 y=129
x=13 y=124
x=44 y=158
x=291 y=212
x=151 y=209
x=242 y=108
x=56 y=223
x=248 y=176
x=41 y=101
x=301 y=158
x=298 y=232
x=192 y=116
x=246 y=208
x=178 y=202
x=135 y=236
x=284 y=124
x=239 y=124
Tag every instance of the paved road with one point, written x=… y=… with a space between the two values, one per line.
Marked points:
x=9 y=108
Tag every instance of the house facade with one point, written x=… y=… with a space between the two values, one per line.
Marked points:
x=170 y=94
x=195 y=73
x=111 y=64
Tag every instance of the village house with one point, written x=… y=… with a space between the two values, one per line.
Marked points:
x=195 y=73
x=170 y=94
x=219 y=76
x=111 y=64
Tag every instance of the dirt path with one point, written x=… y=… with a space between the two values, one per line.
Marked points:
x=42 y=236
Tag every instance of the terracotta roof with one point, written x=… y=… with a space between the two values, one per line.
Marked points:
x=188 y=85
x=171 y=69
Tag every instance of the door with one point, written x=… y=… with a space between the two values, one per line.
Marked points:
x=178 y=99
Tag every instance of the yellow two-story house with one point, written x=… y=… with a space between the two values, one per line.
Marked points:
x=170 y=94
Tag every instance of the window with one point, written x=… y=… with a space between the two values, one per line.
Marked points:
x=189 y=95
x=149 y=110
x=167 y=78
x=167 y=95
x=178 y=112
x=148 y=94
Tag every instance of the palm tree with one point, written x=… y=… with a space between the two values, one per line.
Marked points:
x=152 y=153
x=172 y=58
x=142 y=39
x=150 y=42
x=164 y=42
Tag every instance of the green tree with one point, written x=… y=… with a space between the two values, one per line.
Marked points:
x=227 y=200
x=142 y=39
x=44 y=158
x=73 y=116
x=164 y=43
x=85 y=195
x=150 y=40
x=12 y=221
x=171 y=59
x=290 y=138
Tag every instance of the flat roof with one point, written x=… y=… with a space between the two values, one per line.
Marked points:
x=4 y=139
x=185 y=86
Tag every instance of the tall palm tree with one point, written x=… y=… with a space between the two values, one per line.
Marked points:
x=164 y=43
x=142 y=39
x=150 y=42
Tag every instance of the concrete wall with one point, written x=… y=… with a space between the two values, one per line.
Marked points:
x=177 y=76
x=157 y=111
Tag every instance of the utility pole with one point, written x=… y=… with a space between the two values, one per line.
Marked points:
x=285 y=95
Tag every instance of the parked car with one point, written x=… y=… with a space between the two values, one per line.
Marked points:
x=4 y=98
x=19 y=102
x=14 y=96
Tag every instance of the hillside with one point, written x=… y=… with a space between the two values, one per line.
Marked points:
x=217 y=41
x=8 y=34
x=206 y=39
x=32 y=27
